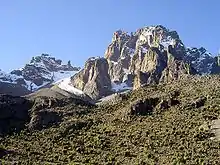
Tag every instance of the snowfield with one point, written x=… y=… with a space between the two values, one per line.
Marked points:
x=65 y=85
x=120 y=87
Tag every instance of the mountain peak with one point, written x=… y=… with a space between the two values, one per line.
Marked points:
x=41 y=71
x=152 y=54
x=51 y=63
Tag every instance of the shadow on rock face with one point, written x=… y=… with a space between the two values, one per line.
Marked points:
x=200 y=102
x=147 y=106
x=46 y=111
x=44 y=119
x=144 y=107
x=13 y=113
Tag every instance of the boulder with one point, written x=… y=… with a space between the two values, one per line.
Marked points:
x=144 y=107
x=43 y=119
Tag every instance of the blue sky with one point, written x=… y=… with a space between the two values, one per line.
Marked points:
x=78 y=29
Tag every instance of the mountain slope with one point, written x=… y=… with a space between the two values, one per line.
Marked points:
x=158 y=124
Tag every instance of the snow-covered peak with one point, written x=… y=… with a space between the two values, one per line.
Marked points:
x=197 y=52
x=8 y=78
x=50 y=63
x=155 y=36
x=200 y=59
x=120 y=35
x=41 y=71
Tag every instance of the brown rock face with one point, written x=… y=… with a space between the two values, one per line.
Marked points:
x=158 y=67
x=94 y=79
x=118 y=54
x=114 y=50
x=140 y=79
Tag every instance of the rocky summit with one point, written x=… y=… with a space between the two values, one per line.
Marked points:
x=150 y=55
x=41 y=72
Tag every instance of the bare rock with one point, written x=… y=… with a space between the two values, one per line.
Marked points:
x=94 y=79
x=43 y=119
x=144 y=107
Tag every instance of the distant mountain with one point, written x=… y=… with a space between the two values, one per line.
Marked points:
x=42 y=71
x=150 y=55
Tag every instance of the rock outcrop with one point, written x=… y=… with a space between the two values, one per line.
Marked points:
x=94 y=79
x=13 y=113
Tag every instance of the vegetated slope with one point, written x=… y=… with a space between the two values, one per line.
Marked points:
x=161 y=124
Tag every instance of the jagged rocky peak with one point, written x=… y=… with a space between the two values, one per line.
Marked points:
x=51 y=63
x=120 y=35
x=158 y=37
x=151 y=55
x=43 y=70
x=145 y=50
x=120 y=45
x=94 y=79
x=124 y=45
x=200 y=59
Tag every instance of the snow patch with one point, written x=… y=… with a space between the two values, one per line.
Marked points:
x=94 y=58
x=143 y=49
x=126 y=73
x=120 y=87
x=115 y=63
x=65 y=84
x=33 y=87
x=8 y=78
x=131 y=51
x=63 y=74
x=167 y=41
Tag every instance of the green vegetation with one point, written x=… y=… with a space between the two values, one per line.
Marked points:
x=109 y=134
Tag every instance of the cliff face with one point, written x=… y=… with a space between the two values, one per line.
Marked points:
x=94 y=79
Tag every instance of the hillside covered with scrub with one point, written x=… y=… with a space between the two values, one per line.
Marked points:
x=173 y=123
